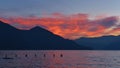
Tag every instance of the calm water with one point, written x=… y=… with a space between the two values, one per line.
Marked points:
x=59 y=59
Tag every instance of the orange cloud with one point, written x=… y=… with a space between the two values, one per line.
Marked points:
x=68 y=26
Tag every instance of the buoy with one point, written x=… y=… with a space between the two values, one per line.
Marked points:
x=53 y=55
x=35 y=55
x=26 y=55
x=44 y=55
x=61 y=55
x=15 y=55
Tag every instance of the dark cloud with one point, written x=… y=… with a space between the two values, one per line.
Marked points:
x=108 y=22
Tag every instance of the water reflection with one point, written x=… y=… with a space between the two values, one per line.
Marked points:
x=60 y=59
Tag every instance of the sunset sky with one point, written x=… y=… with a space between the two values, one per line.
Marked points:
x=70 y=19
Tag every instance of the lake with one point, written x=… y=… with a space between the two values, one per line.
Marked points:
x=59 y=59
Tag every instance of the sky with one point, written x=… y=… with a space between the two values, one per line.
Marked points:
x=70 y=19
x=39 y=7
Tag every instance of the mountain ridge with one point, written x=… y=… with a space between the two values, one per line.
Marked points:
x=36 y=38
x=101 y=43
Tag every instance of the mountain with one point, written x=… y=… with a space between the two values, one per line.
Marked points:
x=101 y=43
x=35 y=39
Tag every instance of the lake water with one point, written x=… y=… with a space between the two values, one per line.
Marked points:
x=59 y=59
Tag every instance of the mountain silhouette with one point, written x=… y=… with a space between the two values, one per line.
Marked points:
x=101 y=43
x=35 y=39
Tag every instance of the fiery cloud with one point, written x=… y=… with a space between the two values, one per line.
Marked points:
x=69 y=26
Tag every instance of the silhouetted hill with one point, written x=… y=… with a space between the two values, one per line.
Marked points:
x=36 y=38
x=101 y=43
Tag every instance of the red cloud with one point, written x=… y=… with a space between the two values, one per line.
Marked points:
x=68 y=26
